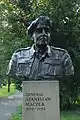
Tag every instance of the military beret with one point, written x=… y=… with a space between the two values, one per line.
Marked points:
x=40 y=20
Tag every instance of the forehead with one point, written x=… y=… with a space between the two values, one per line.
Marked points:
x=43 y=26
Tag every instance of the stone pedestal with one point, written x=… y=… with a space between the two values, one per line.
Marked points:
x=40 y=100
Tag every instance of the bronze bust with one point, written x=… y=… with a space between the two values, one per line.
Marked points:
x=41 y=61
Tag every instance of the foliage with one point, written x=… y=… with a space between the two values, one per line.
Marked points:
x=12 y=34
x=18 y=114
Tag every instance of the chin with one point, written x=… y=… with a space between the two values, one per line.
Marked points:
x=42 y=46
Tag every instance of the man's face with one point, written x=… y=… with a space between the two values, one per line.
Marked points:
x=41 y=35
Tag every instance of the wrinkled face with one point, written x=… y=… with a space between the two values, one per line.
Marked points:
x=41 y=35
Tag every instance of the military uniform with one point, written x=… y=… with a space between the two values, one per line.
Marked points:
x=28 y=64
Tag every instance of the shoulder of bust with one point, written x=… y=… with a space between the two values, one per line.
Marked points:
x=58 y=49
x=22 y=52
x=22 y=49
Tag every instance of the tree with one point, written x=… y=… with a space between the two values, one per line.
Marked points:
x=12 y=34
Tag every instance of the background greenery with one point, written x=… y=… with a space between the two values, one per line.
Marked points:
x=4 y=91
x=15 y=17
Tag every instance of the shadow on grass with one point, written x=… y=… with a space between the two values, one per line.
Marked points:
x=71 y=114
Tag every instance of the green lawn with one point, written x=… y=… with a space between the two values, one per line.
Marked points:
x=4 y=90
x=70 y=115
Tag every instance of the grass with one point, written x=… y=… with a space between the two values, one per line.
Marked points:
x=65 y=115
x=4 y=90
x=18 y=114
x=70 y=115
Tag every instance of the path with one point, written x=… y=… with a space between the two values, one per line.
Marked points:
x=9 y=105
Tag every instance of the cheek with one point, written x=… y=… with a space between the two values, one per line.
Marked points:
x=48 y=34
x=34 y=37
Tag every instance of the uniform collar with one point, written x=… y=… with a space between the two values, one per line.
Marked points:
x=49 y=50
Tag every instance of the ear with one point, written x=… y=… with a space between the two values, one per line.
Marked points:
x=32 y=39
x=33 y=36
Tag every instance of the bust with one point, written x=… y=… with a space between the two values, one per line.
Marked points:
x=40 y=61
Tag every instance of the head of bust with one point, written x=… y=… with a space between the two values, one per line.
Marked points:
x=39 y=31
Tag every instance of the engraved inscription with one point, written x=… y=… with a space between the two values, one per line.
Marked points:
x=36 y=101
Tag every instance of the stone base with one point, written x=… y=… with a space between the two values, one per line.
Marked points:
x=40 y=100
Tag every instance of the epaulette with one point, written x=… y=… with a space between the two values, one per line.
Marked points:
x=22 y=49
x=59 y=49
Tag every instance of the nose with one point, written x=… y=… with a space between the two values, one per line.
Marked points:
x=43 y=32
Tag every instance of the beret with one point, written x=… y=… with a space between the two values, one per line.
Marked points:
x=40 y=20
